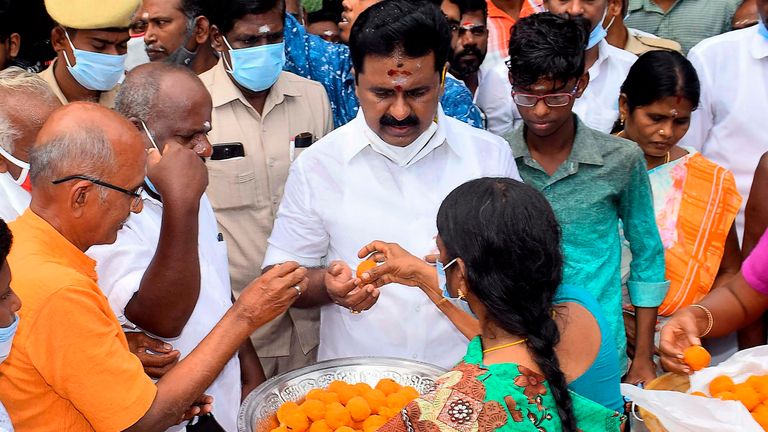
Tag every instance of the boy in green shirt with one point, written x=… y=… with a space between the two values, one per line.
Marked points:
x=592 y=180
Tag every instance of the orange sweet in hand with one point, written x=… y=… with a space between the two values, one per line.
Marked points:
x=696 y=357
x=365 y=266
x=720 y=385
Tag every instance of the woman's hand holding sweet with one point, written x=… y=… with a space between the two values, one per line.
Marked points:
x=396 y=265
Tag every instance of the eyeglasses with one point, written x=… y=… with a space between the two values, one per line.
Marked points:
x=552 y=100
x=135 y=195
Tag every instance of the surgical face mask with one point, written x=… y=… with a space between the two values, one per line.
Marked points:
x=599 y=32
x=442 y=282
x=761 y=29
x=95 y=71
x=6 y=339
x=21 y=180
x=147 y=181
x=256 y=68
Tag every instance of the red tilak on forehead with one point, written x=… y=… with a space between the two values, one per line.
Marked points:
x=393 y=72
x=467 y=24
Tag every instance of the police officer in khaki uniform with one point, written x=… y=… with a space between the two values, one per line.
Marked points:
x=635 y=41
x=90 y=41
x=262 y=118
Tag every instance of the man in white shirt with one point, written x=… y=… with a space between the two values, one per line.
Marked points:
x=383 y=176
x=607 y=65
x=489 y=86
x=728 y=127
x=26 y=101
x=167 y=272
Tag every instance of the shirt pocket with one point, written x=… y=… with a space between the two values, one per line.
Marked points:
x=231 y=183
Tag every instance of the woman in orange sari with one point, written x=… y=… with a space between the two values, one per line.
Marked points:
x=695 y=200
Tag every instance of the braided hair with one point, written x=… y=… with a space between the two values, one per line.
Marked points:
x=507 y=235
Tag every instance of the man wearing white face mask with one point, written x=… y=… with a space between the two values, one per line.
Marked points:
x=383 y=176
x=258 y=111
x=607 y=65
x=25 y=104
x=9 y=305
x=90 y=41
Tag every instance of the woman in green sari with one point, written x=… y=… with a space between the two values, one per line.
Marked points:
x=500 y=243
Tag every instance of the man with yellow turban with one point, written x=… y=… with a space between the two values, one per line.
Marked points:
x=90 y=41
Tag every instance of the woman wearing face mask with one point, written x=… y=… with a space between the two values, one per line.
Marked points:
x=695 y=200
x=9 y=305
x=501 y=245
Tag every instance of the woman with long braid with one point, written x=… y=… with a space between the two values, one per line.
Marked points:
x=500 y=243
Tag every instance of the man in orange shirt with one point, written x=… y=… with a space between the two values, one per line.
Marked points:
x=69 y=367
x=502 y=15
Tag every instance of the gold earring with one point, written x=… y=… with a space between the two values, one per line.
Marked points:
x=461 y=294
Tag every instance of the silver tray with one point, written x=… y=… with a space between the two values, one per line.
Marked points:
x=257 y=413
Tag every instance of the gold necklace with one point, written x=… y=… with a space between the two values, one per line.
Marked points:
x=666 y=157
x=521 y=341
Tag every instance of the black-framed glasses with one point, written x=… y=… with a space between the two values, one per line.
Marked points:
x=135 y=194
x=553 y=100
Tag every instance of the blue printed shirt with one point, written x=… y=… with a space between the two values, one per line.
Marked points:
x=328 y=63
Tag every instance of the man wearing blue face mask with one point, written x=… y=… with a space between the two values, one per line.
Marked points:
x=9 y=305
x=607 y=65
x=90 y=41
x=258 y=112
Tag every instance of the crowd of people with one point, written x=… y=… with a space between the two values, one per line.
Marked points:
x=560 y=196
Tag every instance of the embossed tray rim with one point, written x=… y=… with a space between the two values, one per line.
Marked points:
x=365 y=369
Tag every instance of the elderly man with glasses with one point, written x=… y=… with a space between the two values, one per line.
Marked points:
x=70 y=368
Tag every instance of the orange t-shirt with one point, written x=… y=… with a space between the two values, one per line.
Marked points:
x=500 y=26
x=69 y=368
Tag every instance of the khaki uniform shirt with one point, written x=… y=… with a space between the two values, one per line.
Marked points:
x=245 y=192
x=639 y=42
x=106 y=99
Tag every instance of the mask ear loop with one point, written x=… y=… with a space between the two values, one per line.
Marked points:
x=66 y=58
x=19 y=163
x=229 y=68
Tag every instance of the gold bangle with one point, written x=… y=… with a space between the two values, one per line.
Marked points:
x=710 y=319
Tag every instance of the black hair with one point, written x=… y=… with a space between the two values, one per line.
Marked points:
x=6 y=239
x=412 y=28
x=507 y=235
x=659 y=74
x=323 y=15
x=545 y=45
x=224 y=13
x=9 y=22
x=193 y=8
x=466 y=6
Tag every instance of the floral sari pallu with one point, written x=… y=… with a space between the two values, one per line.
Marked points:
x=500 y=397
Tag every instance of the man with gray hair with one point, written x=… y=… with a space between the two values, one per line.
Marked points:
x=178 y=33
x=26 y=101
x=167 y=272
x=69 y=367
